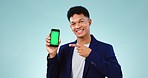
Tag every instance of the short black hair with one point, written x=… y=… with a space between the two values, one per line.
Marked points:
x=77 y=10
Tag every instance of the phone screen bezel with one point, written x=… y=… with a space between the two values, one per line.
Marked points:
x=54 y=30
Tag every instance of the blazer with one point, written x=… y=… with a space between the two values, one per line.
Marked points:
x=100 y=63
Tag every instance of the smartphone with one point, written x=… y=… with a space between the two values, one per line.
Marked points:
x=54 y=37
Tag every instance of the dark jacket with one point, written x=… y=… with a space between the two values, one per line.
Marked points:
x=101 y=62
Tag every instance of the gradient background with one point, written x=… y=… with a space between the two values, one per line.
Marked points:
x=24 y=25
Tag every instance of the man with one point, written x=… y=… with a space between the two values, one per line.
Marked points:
x=84 y=58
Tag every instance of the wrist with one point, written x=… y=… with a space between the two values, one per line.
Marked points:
x=52 y=55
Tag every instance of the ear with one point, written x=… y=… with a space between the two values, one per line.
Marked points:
x=90 y=21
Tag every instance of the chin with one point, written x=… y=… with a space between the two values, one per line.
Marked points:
x=80 y=36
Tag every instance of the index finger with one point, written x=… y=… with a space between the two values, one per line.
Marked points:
x=73 y=45
x=48 y=37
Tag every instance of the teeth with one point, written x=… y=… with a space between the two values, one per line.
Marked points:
x=79 y=31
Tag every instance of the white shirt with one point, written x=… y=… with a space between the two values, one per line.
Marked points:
x=78 y=63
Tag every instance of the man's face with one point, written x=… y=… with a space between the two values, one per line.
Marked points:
x=80 y=25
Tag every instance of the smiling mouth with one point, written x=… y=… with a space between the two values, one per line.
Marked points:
x=80 y=31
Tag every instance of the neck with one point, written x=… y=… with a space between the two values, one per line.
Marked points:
x=84 y=40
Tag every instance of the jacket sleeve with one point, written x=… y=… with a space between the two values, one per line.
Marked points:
x=52 y=67
x=107 y=64
x=54 y=64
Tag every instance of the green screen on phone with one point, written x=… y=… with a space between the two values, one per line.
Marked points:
x=54 y=38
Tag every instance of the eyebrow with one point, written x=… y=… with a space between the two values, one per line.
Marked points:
x=78 y=19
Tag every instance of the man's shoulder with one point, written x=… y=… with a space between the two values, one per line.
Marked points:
x=103 y=43
x=100 y=44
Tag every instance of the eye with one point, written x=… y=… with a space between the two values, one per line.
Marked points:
x=72 y=24
x=81 y=21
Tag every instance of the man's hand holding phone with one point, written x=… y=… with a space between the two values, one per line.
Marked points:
x=52 y=42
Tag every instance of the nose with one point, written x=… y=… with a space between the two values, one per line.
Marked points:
x=77 y=25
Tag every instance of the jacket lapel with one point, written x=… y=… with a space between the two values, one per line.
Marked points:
x=93 y=47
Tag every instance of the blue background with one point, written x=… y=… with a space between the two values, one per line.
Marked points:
x=24 y=25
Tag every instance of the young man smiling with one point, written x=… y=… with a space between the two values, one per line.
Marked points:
x=84 y=58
